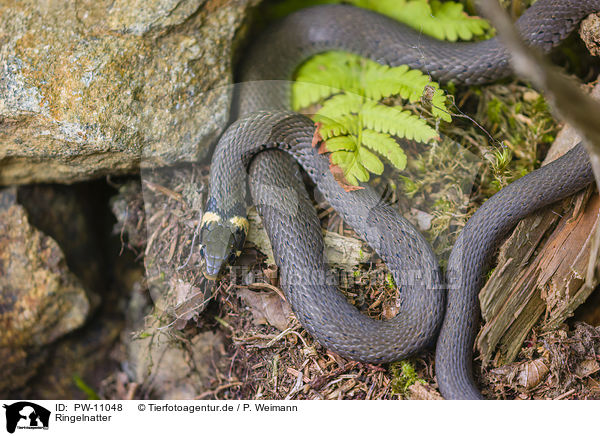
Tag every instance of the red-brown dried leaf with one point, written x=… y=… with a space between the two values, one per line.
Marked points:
x=317 y=135
x=323 y=148
x=338 y=175
x=267 y=308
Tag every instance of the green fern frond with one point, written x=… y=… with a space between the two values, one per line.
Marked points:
x=456 y=23
x=386 y=146
x=358 y=75
x=355 y=161
x=370 y=161
x=354 y=171
x=333 y=72
x=396 y=122
x=306 y=94
x=344 y=124
x=351 y=118
x=341 y=104
x=354 y=124
x=438 y=19
x=439 y=104
x=342 y=143
x=382 y=81
x=323 y=76
x=441 y=20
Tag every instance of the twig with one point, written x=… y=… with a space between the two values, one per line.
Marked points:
x=566 y=394
x=297 y=386
x=217 y=390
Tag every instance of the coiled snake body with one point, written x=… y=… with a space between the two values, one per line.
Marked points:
x=427 y=299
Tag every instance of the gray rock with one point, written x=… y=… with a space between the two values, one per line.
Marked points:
x=40 y=299
x=87 y=88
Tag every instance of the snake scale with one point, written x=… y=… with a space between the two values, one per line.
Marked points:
x=256 y=148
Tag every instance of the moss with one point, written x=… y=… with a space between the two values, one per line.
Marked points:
x=403 y=376
x=409 y=187
x=494 y=109
x=389 y=279
x=520 y=122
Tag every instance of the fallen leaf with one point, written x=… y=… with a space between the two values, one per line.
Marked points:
x=190 y=300
x=587 y=368
x=317 y=136
x=323 y=148
x=419 y=391
x=338 y=175
x=532 y=373
x=267 y=308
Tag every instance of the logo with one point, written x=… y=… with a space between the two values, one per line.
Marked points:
x=26 y=415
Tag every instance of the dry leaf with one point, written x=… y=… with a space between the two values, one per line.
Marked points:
x=419 y=391
x=338 y=175
x=587 y=368
x=317 y=135
x=532 y=373
x=267 y=308
x=527 y=374
x=190 y=300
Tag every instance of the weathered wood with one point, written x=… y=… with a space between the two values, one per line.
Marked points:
x=340 y=251
x=541 y=270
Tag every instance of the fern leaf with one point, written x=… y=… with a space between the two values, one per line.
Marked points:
x=327 y=69
x=354 y=125
x=381 y=81
x=370 y=161
x=341 y=143
x=386 y=119
x=354 y=171
x=456 y=23
x=322 y=76
x=385 y=145
x=441 y=20
x=439 y=107
x=306 y=94
x=343 y=125
x=340 y=105
x=335 y=71
x=359 y=171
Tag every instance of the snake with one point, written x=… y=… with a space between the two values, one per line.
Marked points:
x=266 y=141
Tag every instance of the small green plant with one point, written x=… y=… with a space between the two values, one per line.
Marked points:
x=403 y=376
x=390 y=281
x=442 y=20
x=354 y=124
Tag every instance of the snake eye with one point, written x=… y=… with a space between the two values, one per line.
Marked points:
x=202 y=251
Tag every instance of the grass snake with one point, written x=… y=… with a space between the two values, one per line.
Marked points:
x=257 y=147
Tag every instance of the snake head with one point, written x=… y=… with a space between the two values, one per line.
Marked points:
x=221 y=242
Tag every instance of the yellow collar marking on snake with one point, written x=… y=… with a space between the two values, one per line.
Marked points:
x=242 y=222
x=210 y=217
